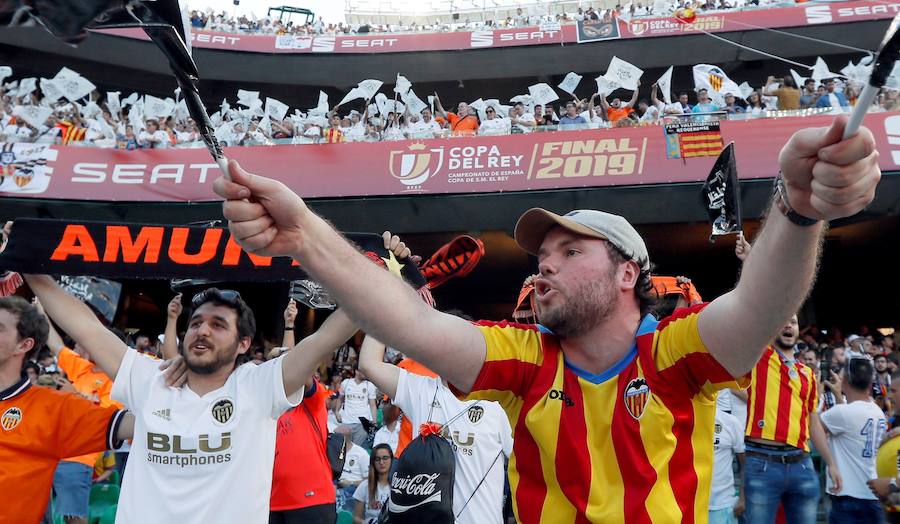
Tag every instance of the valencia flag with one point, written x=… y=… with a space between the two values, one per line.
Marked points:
x=721 y=195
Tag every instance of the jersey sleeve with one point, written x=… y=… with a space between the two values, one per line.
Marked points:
x=506 y=438
x=682 y=358
x=266 y=385
x=414 y=392
x=371 y=390
x=136 y=374
x=84 y=427
x=513 y=359
x=72 y=364
x=812 y=401
x=834 y=420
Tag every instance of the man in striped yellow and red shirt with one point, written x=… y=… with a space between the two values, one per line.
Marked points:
x=781 y=418
x=612 y=411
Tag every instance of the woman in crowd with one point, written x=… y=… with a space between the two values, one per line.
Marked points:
x=373 y=493
x=755 y=106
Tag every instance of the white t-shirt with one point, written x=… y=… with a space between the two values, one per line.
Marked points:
x=161 y=138
x=477 y=444
x=386 y=436
x=356 y=464
x=728 y=440
x=495 y=126
x=855 y=432
x=189 y=450
x=421 y=128
x=727 y=401
x=356 y=400
x=362 y=494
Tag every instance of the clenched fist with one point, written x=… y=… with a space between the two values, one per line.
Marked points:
x=828 y=178
x=264 y=216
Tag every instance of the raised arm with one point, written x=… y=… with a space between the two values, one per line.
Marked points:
x=54 y=341
x=290 y=316
x=654 y=92
x=277 y=222
x=634 y=96
x=825 y=178
x=438 y=107
x=304 y=358
x=371 y=362
x=80 y=323
x=768 y=90
x=603 y=103
x=170 y=344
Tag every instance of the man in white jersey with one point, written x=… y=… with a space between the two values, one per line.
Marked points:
x=854 y=431
x=357 y=401
x=203 y=452
x=724 y=506
x=480 y=435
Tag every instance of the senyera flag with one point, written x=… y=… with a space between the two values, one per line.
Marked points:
x=139 y=251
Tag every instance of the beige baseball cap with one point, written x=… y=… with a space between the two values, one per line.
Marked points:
x=535 y=223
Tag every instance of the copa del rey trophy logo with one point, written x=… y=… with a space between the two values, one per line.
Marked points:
x=413 y=166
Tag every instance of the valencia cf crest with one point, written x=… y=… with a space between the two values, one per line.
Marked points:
x=222 y=410
x=718 y=428
x=475 y=414
x=11 y=418
x=636 y=397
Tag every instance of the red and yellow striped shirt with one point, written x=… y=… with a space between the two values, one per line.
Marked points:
x=782 y=395
x=633 y=444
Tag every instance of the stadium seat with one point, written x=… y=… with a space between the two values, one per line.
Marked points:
x=102 y=497
x=344 y=517
x=109 y=516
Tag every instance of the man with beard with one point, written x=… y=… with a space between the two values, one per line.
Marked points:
x=612 y=410
x=781 y=417
x=202 y=452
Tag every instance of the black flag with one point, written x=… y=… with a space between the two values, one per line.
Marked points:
x=721 y=195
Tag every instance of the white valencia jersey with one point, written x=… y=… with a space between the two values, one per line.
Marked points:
x=855 y=433
x=200 y=459
x=478 y=438
x=728 y=441
x=356 y=400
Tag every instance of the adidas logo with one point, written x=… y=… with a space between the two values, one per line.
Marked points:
x=164 y=414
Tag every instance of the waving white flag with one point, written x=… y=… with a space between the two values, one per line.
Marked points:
x=665 y=85
x=623 y=73
x=321 y=108
x=51 y=91
x=820 y=71
x=247 y=98
x=715 y=81
x=403 y=85
x=158 y=107
x=113 y=103
x=5 y=71
x=798 y=80
x=605 y=86
x=365 y=90
x=26 y=86
x=413 y=102
x=542 y=94
x=74 y=87
x=276 y=109
x=36 y=116
x=746 y=90
x=570 y=82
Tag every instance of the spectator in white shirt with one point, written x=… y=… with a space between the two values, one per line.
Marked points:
x=728 y=443
x=373 y=492
x=357 y=401
x=520 y=120
x=20 y=131
x=854 y=434
x=492 y=124
x=153 y=137
x=356 y=468
x=389 y=433
x=424 y=127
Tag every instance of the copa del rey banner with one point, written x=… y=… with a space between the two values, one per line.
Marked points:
x=526 y=162
x=810 y=13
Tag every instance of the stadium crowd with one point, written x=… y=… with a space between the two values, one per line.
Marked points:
x=223 y=22
x=29 y=114
x=364 y=404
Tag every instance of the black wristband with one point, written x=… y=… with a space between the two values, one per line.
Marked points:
x=288 y=327
x=785 y=208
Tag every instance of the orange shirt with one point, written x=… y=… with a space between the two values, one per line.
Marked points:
x=88 y=381
x=299 y=442
x=614 y=115
x=406 y=429
x=782 y=394
x=38 y=428
x=466 y=125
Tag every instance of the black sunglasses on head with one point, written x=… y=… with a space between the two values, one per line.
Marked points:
x=229 y=296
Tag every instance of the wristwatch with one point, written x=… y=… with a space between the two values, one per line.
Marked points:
x=893 y=486
x=782 y=204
